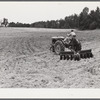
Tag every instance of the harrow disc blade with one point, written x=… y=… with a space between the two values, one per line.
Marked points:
x=64 y=57
x=85 y=56
x=71 y=57
x=67 y=57
x=91 y=55
x=60 y=57
x=82 y=55
x=88 y=55
x=77 y=57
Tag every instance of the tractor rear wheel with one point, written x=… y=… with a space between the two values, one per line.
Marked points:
x=59 y=47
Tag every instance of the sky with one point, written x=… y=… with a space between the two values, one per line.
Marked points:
x=29 y=12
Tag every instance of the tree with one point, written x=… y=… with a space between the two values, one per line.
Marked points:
x=93 y=25
x=94 y=19
x=5 y=21
x=61 y=23
x=84 y=19
x=97 y=15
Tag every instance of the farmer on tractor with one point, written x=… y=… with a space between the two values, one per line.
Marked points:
x=72 y=43
x=69 y=37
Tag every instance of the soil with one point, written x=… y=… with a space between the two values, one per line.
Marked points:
x=27 y=62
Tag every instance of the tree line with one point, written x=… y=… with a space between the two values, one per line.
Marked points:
x=85 y=20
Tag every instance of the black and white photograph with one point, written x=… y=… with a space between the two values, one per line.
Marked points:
x=50 y=45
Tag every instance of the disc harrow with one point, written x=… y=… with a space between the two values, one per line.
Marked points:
x=68 y=55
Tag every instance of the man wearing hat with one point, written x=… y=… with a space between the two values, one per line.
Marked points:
x=69 y=37
x=74 y=43
x=71 y=42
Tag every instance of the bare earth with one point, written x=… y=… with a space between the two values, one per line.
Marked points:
x=26 y=61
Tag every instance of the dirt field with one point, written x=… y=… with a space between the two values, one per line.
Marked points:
x=26 y=62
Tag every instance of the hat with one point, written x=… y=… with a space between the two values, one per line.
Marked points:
x=72 y=30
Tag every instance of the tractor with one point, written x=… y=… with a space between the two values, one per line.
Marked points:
x=75 y=52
